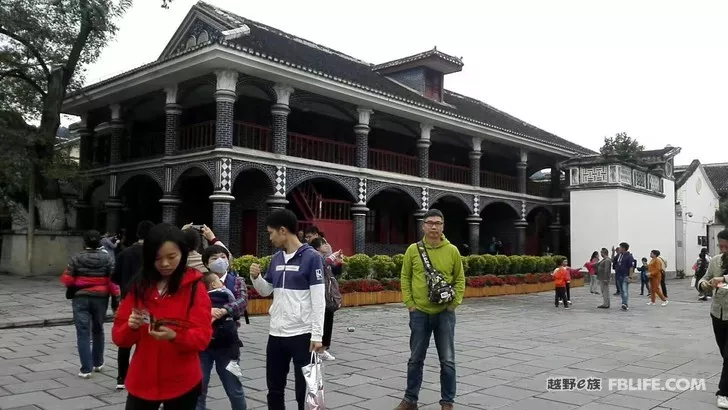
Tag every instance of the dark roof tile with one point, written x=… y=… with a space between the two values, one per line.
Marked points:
x=718 y=176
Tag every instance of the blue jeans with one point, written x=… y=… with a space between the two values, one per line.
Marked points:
x=422 y=326
x=88 y=315
x=230 y=382
x=624 y=289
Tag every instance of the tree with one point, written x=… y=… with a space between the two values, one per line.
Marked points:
x=622 y=146
x=721 y=214
x=45 y=46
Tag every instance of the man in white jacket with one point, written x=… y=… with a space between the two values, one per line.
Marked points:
x=296 y=280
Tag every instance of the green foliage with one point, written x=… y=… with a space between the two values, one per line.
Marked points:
x=503 y=265
x=490 y=264
x=242 y=264
x=516 y=264
x=357 y=266
x=721 y=214
x=548 y=263
x=622 y=146
x=529 y=264
x=475 y=265
x=398 y=260
x=265 y=262
x=382 y=266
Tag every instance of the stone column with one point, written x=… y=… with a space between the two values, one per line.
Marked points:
x=474 y=233
x=113 y=214
x=423 y=150
x=173 y=114
x=225 y=97
x=117 y=133
x=280 y=111
x=555 y=182
x=475 y=155
x=359 y=213
x=520 y=236
x=86 y=152
x=361 y=130
x=555 y=229
x=221 y=215
x=522 y=176
x=170 y=207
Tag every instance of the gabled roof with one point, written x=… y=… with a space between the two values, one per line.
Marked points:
x=683 y=172
x=718 y=175
x=454 y=63
x=286 y=49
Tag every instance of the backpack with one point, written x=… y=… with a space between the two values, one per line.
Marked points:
x=333 y=294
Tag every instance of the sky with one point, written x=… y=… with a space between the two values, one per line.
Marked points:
x=581 y=69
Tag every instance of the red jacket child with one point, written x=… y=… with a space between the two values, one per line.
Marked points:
x=561 y=276
x=162 y=370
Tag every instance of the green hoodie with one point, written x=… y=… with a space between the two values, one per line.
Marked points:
x=445 y=257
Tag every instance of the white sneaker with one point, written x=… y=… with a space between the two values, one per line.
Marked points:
x=569 y=302
x=665 y=303
x=650 y=303
x=98 y=369
x=120 y=387
x=722 y=402
x=326 y=356
x=84 y=375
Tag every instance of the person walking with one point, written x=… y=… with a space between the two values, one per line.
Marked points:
x=433 y=285
x=644 y=278
x=615 y=256
x=701 y=267
x=604 y=276
x=166 y=315
x=656 y=269
x=88 y=284
x=714 y=280
x=591 y=269
x=624 y=270
x=561 y=275
x=128 y=263
x=295 y=278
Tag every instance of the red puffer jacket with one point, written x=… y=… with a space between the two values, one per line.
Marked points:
x=162 y=370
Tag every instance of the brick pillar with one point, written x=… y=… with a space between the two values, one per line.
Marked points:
x=475 y=155
x=423 y=150
x=521 y=236
x=555 y=182
x=359 y=214
x=170 y=206
x=280 y=111
x=361 y=130
x=83 y=211
x=225 y=97
x=85 y=147
x=117 y=133
x=522 y=176
x=113 y=214
x=474 y=233
x=221 y=215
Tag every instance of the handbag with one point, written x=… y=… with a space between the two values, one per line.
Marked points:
x=439 y=290
x=313 y=373
x=692 y=282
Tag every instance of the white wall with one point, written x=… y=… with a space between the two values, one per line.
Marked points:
x=605 y=217
x=698 y=199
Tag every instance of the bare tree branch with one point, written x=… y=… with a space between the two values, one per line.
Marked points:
x=17 y=73
x=30 y=48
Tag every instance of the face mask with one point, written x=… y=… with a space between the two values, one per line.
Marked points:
x=219 y=266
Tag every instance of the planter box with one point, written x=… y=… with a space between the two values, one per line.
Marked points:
x=362 y=299
x=477 y=292
x=259 y=306
x=508 y=289
x=577 y=283
x=532 y=288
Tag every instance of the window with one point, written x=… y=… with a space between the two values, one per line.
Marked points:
x=433 y=85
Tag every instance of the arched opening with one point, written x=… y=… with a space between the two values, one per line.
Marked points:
x=538 y=241
x=497 y=233
x=96 y=195
x=455 y=212
x=248 y=235
x=390 y=225
x=140 y=195
x=194 y=190
x=326 y=204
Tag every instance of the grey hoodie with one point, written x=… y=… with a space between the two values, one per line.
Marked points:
x=720 y=299
x=604 y=269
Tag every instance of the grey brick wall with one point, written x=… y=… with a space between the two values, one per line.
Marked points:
x=359 y=233
x=414 y=78
x=362 y=145
x=475 y=168
x=423 y=156
x=169 y=213
x=224 y=126
x=221 y=220
x=117 y=133
x=236 y=231
x=171 y=129
x=279 y=113
x=522 y=177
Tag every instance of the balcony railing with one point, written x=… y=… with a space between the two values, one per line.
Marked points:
x=253 y=136
x=305 y=146
x=539 y=189
x=498 y=181
x=197 y=136
x=392 y=162
x=334 y=209
x=142 y=145
x=450 y=173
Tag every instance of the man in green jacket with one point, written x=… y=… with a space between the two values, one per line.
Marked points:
x=427 y=318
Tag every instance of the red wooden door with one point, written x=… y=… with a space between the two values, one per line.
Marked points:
x=250 y=232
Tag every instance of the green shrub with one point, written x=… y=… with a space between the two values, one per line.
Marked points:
x=357 y=266
x=398 y=260
x=265 y=263
x=558 y=259
x=466 y=264
x=382 y=266
x=529 y=265
x=475 y=265
x=242 y=264
x=516 y=264
x=548 y=263
x=490 y=264
x=503 y=265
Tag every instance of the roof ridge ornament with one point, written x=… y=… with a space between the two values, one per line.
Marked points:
x=232 y=34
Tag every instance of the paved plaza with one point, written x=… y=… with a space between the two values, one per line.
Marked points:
x=507 y=347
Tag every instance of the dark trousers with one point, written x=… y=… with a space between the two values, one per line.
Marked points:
x=697 y=282
x=122 y=363
x=560 y=293
x=279 y=353
x=186 y=401
x=720 y=328
x=568 y=291
x=662 y=285
x=328 y=328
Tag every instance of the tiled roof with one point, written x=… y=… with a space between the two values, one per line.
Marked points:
x=420 y=56
x=718 y=176
x=684 y=172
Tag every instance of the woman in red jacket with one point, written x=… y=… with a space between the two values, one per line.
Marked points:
x=167 y=315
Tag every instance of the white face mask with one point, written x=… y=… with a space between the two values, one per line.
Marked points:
x=219 y=266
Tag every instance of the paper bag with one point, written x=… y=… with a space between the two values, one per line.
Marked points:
x=314 y=376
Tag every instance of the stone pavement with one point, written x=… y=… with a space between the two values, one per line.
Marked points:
x=507 y=347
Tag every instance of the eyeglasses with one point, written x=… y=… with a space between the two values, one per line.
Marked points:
x=432 y=223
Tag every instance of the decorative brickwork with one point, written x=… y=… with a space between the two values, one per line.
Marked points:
x=208 y=166
x=224 y=125
x=522 y=176
x=513 y=204
x=173 y=112
x=241 y=166
x=359 y=214
x=280 y=128
x=117 y=134
x=465 y=199
x=294 y=178
x=156 y=174
x=475 y=168
x=221 y=215
x=362 y=145
x=423 y=158
x=374 y=187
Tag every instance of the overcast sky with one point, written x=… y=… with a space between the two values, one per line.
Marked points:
x=579 y=69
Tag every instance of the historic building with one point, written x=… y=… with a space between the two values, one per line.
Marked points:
x=236 y=118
